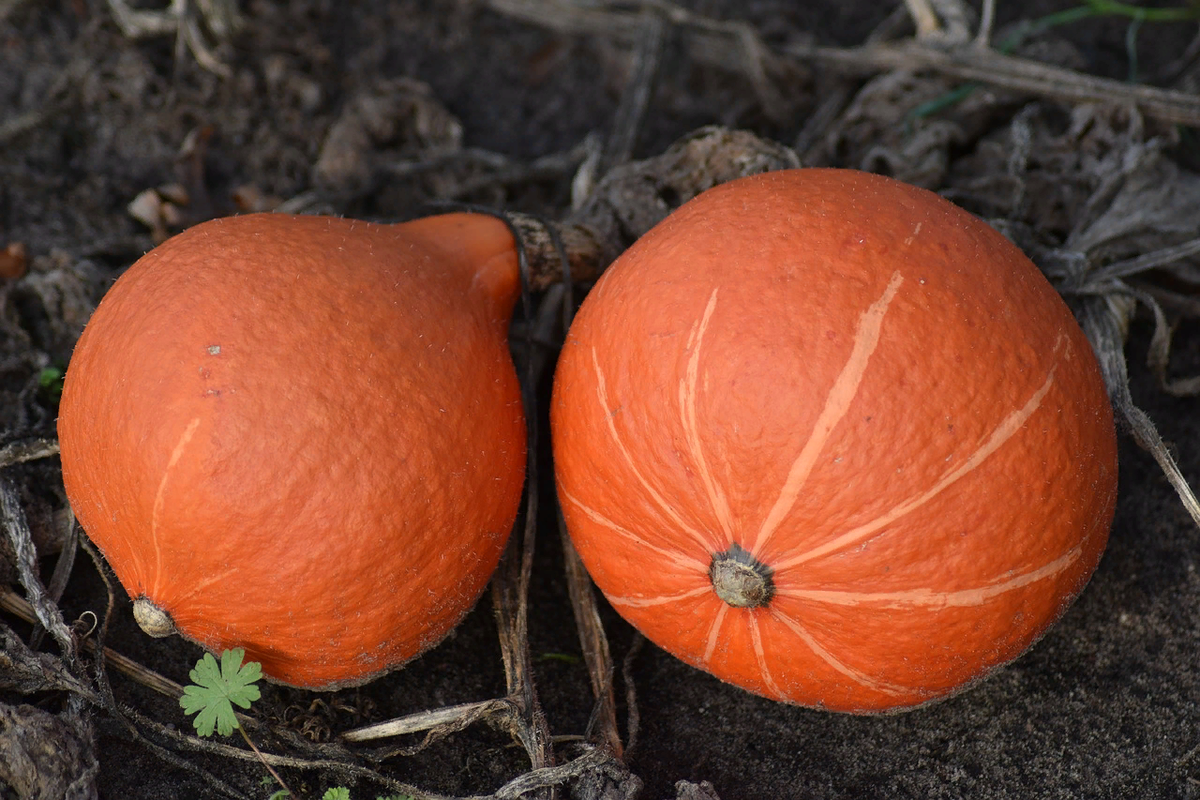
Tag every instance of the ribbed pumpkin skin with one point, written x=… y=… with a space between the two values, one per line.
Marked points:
x=874 y=394
x=303 y=436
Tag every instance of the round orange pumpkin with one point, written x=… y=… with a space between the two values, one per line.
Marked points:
x=834 y=440
x=302 y=436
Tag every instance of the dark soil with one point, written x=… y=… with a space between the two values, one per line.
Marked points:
x=1105 y=705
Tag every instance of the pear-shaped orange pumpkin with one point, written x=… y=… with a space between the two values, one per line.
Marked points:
x=302 y=436
x=834 y=440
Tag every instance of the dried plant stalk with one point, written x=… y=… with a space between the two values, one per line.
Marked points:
x=1102 y=321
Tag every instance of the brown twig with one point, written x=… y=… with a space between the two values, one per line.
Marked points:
x=819 y=122
x=18 y=606
x=510 y=584
x=1007 y=72
x=427 y=720
x=596 y=654
x=22 y=450
x=16 y=529
x=968 y=63
x=183 y=19
x=497 y=169
x=987 y=18
x=627 y=121
x=726 y=44
x=262 y=758
x=346 y=768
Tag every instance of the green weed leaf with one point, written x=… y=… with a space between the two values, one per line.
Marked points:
x=336 y=793
x=215 y=689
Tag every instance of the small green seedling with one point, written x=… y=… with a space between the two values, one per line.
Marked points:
x=50 y=382
x=215 y=691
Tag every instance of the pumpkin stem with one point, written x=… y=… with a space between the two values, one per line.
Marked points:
x=740 y=579
x=152 y=619
x=479 y=244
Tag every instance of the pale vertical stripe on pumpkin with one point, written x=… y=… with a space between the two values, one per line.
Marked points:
x=159 y=496
x=858 y=676
x=760 y=655
x=999 y=435
x=676 y=557
x=660 y=501
x=691 y=428
x=714 y=632
x=928 y=598
x=837 y=403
